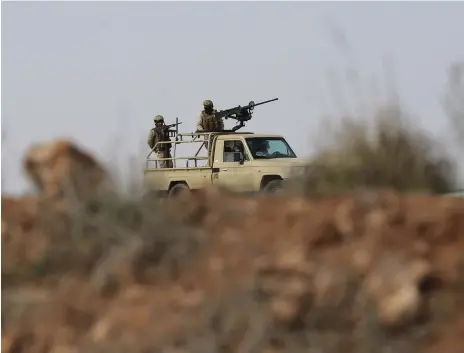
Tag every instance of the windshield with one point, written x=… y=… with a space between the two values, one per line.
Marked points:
x=269 y=147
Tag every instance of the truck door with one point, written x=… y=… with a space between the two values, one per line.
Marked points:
x=227 y=170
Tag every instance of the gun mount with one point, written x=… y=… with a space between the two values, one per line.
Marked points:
x=241 y=114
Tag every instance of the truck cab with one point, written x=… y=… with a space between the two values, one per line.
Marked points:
x=241 y=162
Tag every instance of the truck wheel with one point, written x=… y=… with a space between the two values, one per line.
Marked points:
x=177 y=189
x=273 y=186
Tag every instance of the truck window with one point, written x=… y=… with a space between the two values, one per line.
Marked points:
x=232 y=150
x=269 y=147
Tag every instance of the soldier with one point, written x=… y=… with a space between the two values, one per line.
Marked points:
x=158 y=134
x=207 y=121
x=262 y=148
x=238 y=147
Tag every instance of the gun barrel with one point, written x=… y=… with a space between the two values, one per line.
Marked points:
x=268 y=101
x=174 y=124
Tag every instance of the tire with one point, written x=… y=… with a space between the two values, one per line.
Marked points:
x=274 y=186
x=177 y=189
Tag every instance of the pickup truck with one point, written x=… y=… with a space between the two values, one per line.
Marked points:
x=242 y=162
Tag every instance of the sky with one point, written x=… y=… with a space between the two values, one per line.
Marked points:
x=98 y=72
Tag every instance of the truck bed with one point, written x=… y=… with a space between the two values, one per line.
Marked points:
x=160 y=179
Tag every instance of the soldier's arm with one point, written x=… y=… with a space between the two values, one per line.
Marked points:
x=200 y=123
x=150 y=138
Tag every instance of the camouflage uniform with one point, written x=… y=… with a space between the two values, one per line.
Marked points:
x=209 y=121
x=158 y=134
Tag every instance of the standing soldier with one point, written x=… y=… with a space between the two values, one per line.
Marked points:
x=208 y=121
x=159 y=134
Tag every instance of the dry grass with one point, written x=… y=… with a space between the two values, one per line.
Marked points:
x=73 y=241
x=390 y=152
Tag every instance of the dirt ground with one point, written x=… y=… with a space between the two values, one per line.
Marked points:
x=371 y=271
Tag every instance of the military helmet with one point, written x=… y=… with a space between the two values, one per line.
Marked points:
x=158 y=118
x=207 y=103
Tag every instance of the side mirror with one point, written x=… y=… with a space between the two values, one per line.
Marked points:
x=242 y=158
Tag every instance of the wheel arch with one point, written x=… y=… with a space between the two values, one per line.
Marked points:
x=172 y=183
x=266 y=179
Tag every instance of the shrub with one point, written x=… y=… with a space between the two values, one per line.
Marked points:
x=390 y=153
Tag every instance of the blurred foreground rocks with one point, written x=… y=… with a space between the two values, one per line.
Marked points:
x=61 y=169
x=62 y=173
x=372 y=271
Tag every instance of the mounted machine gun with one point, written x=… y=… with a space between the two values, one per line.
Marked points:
x=241 y=114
